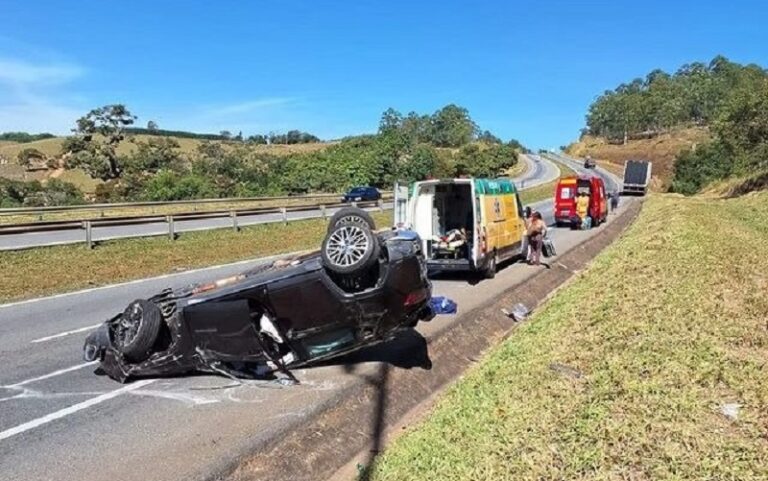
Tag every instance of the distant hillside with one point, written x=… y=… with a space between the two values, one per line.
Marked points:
x=52 y=147
x=10 y=169
x=661 y=150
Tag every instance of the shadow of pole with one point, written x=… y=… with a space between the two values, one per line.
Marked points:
x=377 y=428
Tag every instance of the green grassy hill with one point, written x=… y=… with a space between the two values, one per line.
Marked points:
x=52 y=148
x=665 y=337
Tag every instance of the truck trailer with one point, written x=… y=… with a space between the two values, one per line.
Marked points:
x=637 y=176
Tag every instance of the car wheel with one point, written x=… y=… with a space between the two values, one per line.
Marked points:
x=349 y=248
x=137 y=330
x=490 y=269
x=351 y=215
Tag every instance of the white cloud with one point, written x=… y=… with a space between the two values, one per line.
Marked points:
x=31 y=100
x=258 y=115
x=27 y=74
x=249 y=106
x=35 y=118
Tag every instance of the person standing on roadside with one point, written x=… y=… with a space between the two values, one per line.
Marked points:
x=615 y=201
x=525 y=244
x=536 y=230
x=582 y=207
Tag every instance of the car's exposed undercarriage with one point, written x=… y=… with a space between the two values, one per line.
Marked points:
x=361 y=288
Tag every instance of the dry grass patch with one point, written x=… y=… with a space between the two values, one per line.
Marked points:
x=660 y=150
x=663 y=330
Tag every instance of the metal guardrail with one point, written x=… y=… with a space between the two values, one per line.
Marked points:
x=121 y=205
x=170 y=219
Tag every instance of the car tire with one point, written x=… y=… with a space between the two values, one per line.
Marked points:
x=351 y=215
x=350 y=249
x=490 y=270
x=137 y=330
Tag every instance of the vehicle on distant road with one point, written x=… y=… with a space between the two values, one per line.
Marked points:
x=361 y=288
x=361 y=194
x=568 y=188
x=637 y=176
x=465 y=224
x=589 y=163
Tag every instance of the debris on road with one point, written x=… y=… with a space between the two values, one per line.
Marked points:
x=730 y=410
x=443 y=305
x=518 y=313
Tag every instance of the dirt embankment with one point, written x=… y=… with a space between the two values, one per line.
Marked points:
x=660 y=150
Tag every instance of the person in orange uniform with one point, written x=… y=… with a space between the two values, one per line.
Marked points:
x=582 y=206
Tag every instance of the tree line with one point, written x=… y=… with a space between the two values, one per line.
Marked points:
x=24 y=137
x=446 y=143
x=696 y=94
x=728 y=98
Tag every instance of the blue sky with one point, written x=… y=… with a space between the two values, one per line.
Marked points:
x=526 y=70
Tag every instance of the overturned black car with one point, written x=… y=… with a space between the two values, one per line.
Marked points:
x=359 y=289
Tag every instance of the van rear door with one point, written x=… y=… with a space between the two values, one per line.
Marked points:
x=401 y=206
x=565 y=205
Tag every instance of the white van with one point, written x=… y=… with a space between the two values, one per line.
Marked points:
x=466 y=224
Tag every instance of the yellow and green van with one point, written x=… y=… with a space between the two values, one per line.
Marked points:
x=465 y=224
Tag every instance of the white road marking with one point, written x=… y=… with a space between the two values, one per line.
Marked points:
x=50 y=375
x=62 y=413
x=65 y=333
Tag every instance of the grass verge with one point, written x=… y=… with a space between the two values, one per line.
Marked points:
x=50 y=270
x=626 y=372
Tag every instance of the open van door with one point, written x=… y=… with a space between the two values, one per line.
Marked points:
x=401 y=205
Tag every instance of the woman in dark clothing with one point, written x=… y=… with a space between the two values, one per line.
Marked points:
x=536 y=230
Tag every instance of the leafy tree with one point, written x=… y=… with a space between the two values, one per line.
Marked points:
x=696 y=94
x=24 y=137
x=98 y=155
x=420 y=165
x=226 y=134
x=37 y=194
x=492 y=161
x=292 y=137
x=153 y=155
x=417 y=128
x=391 y=120
x=488 y=138
x=172 y=133
x=452 y=127
x=152 y=125
x=258 y=139
x=169 y=185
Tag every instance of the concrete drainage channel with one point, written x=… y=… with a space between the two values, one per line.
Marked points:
x=372 y=411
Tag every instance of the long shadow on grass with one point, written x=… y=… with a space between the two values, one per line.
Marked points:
x=407 y=351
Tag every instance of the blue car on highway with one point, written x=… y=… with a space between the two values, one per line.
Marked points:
x=358 y=194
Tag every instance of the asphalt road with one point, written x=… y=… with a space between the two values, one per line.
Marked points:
x=612 y=183
x=60 y=421
x=539 y=171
